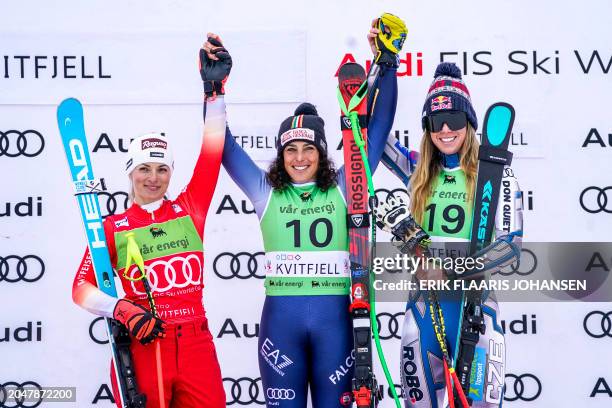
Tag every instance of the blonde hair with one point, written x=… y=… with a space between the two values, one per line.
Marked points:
x=430 y=165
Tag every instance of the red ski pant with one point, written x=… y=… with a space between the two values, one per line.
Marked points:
x=190 y=369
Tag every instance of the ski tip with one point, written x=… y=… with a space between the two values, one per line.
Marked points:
x=351 y=70
x=69 y=102
x=68 y=111
x=498 y=123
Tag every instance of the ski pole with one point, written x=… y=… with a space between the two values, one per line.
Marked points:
x=134 y=256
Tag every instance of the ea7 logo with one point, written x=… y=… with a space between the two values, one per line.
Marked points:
x=274 y=358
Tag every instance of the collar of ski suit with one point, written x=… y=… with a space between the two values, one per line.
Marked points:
x=450 y=161
x=152 y=211
x=150 y=207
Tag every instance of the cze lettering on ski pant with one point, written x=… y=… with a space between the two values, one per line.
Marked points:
x=495 y=372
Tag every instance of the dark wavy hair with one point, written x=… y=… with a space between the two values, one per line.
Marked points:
x=326 y=173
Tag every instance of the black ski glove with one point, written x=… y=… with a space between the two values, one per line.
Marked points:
x=214 y=73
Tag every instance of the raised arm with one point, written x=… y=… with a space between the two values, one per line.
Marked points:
x=382 y=101
x=242 y=169
x=382 y=92
x=200 y=189
x=382 y=89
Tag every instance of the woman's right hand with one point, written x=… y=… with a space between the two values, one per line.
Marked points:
x=141 y=323
x=215 y=65
x=213 y=43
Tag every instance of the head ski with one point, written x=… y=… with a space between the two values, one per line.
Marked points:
x=86 y=188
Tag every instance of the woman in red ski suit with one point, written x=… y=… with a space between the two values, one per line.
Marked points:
x=169 y=234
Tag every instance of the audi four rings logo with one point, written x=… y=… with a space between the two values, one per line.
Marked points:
x=114 y=203
x=389 y=325
x=527 y=265
x=11 y=387
x=176 y=272
x=595 y=200
x=97 y=331
x=280 y=393
x=28 y=143
x=13 y=268
x=524 y=387
x=243 y=391
x=242 y=265
x=598 y=324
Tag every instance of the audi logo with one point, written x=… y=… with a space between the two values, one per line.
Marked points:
x=280 y=393
x=243 y=391
x=389 y=325
x=11 y=388
x=524 y=387
x=598 y=327
x=28 y=143
x=595 y=200
x=97 y=332
x=166 y=274
x=527 y=265
x=13 y=268
x=113 y=203
x=242 y=265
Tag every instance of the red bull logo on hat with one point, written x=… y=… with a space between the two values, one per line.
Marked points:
x=441 y=102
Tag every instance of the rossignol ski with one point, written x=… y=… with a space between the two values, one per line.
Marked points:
x=352 y=91
x=493 y=155
x=86 y=187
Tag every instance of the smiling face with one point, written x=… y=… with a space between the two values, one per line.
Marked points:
x=301 y=160
x=150 y=181
x=449 y=141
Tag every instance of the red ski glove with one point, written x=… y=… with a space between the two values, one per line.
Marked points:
x=139 y=321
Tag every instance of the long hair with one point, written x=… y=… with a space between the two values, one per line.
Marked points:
x=326 y=176
x=429 y=167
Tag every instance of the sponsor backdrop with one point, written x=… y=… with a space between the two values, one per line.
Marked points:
x=134 y=67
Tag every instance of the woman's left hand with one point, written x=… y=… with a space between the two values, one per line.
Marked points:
x=372 y=36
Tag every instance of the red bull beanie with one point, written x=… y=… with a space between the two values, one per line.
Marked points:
x=448 y=93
